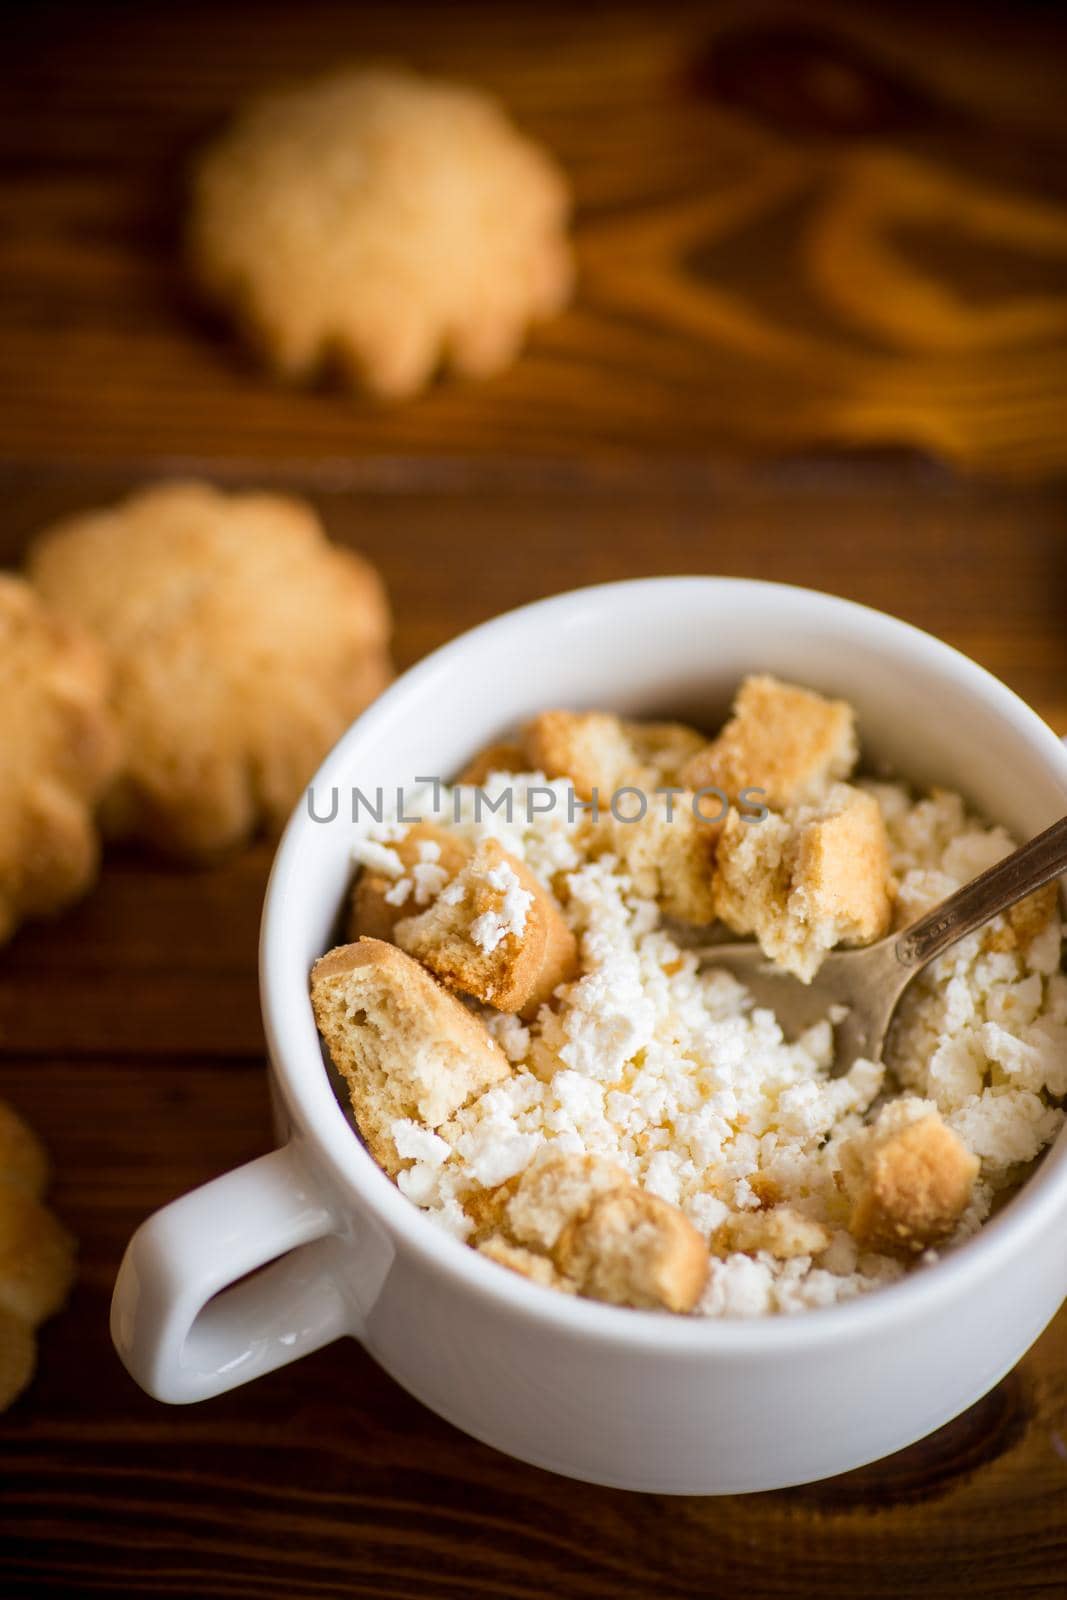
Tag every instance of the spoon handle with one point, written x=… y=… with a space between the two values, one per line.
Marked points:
x=1026 y=869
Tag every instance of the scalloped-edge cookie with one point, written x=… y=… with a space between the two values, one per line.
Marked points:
x=381 y=224
x=242 y=645
x=60 y=749
x=36 y=1253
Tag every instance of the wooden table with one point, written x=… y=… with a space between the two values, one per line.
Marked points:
x=720 y=399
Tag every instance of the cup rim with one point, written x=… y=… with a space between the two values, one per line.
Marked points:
x=321 y=1122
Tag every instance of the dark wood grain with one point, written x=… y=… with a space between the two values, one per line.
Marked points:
x=718 y=400
x=326 y=1479
x=849 y=228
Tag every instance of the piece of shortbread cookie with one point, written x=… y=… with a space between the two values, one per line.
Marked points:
x=382 y=223
x=789 y=743
x=917 y=1180
x=495 y=933
x=807 y=880
x=605 y=1237
x=242 y=644
x=406 y=1048
x=60 y=750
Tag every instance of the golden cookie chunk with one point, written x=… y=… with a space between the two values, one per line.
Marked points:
x=591 y=748
x=782 y=1232
x=382 y=223
x=917 y=1183
x=242 y=644
x=633 y=1249
x=789 y=742
x=539 y=1269
x=495 y=933
x=376 y=906
x=664 y=747
x=668 y=851
x=59 y=751
x=555 y=1190
x=808 y=880
x=405 y=1047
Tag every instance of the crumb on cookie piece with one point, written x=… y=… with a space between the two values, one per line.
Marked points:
x=787 y=741
x=59 y=751
x=669 y=853
x=380 y=224
x=503 y=756
x=242 y=643
x=782 y=1232
x=495 y=933
x=807 y=881
x=538 y=1268
x=631 y=1248
x=916 y=1184
x=405 y=1047
x=429 y=857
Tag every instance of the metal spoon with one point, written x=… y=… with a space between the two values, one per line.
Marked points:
x=871 y=980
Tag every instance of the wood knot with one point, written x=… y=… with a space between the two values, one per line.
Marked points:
x=802 y=80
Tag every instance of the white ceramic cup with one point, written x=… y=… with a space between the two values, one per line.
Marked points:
x=633 y=1399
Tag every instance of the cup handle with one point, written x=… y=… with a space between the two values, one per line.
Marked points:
x=177 y=1345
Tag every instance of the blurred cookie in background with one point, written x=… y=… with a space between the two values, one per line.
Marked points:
x=59 y=748
x=382 y=225
x=241 y=641
x=36 y=1253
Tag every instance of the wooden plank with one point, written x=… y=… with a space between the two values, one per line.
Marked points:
x=790 y=233
x=326 y=1479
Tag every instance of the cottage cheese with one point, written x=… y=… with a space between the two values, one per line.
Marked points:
x=672 y=1071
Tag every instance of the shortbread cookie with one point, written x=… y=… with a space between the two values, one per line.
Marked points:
x=605 y=1237
x=633 y=1249
x=59 y=751
x=383 y=223
x=668 y=850
x=917 y=1182
x=785 y=741
x=427 y=858
x=539 y=1269
x=555 y=1190
x=782 y=1232
x=591 y=748
x=36 y=1253
x=665 y=846
x=242 y=644
x=808 y=880
x=406 y=1048
x=495 y=933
